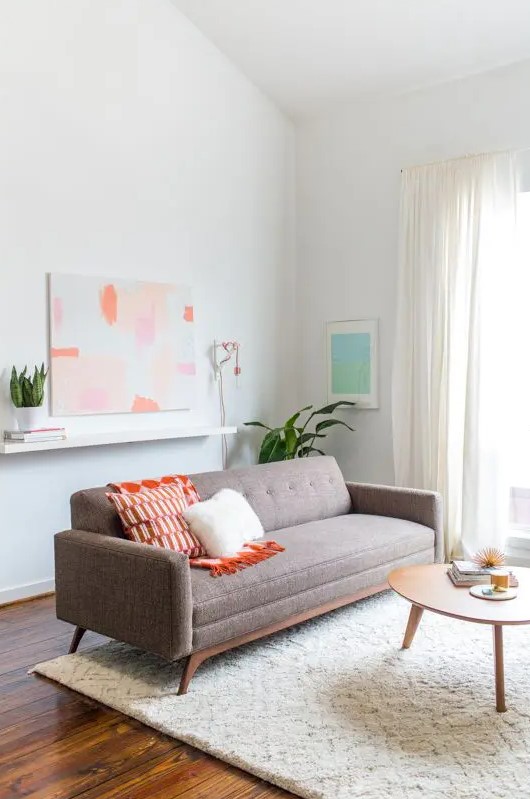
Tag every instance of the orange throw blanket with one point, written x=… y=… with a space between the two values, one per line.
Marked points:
x=253 y=552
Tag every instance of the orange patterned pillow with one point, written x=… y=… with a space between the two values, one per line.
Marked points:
x=155 y=517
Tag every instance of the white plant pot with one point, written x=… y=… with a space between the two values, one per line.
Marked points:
x=31 y=418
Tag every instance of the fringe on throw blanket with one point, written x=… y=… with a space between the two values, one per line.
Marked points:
x=253 y=552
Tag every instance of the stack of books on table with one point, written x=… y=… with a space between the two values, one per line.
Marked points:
x=32 y=436
x=466 y=573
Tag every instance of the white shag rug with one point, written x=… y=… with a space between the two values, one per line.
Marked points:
x=335 y=709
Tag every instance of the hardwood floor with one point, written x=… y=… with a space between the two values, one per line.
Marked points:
x=56 y=744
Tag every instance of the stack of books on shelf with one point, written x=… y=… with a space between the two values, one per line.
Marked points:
x=32 y=436
x=466 y=573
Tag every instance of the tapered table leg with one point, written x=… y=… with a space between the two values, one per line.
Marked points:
x=498 y=651
x=412 y=625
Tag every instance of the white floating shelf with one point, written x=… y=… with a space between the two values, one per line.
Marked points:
x=114 y=437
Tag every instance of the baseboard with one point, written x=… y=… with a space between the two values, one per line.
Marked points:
x=29 y=591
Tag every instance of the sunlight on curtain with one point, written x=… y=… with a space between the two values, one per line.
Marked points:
x=454 y=355
x=518 y=403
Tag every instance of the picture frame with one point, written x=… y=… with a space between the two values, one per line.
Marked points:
x=352 y=348
x=120 y=345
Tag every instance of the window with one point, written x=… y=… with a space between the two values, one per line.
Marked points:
x=514 y=411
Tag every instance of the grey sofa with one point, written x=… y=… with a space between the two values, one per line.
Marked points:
x=341 y=541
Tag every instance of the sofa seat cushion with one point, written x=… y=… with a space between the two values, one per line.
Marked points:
x=315 y=553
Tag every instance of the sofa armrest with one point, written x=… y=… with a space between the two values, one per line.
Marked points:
x=131 y=592
x=412 y=504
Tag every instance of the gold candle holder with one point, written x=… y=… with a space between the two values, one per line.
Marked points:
x=500 y=580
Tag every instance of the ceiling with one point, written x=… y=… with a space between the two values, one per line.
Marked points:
x=309 y=54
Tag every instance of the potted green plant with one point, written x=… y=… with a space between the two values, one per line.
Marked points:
x=27 y=396
x=294 y=440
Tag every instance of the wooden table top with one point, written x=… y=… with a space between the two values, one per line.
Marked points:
x=430 y=587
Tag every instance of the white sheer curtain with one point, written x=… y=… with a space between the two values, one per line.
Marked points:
x=452 y=354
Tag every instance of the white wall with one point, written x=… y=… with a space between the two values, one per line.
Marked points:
x=348 y=176
x=130 y=147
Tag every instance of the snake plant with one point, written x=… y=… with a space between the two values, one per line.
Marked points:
x=295 y=441
x=27 y=392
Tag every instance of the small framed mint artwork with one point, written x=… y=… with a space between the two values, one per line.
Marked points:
x=352 y=354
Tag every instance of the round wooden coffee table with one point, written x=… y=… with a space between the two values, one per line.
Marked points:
x=430 y=588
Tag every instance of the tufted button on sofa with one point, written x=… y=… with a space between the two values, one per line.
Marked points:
x=341 y=540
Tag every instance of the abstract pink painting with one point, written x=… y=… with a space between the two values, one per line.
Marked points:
x=120 y=346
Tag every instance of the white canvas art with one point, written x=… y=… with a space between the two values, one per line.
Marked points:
x=120 y=345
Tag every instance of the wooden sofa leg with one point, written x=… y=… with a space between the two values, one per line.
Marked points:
x=192 y=664
x=76 y=639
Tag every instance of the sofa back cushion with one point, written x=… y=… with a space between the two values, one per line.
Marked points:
x=282 y=494
x=91 y=510
x=285 y=493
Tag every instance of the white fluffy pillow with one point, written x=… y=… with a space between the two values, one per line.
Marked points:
x=223 y=523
